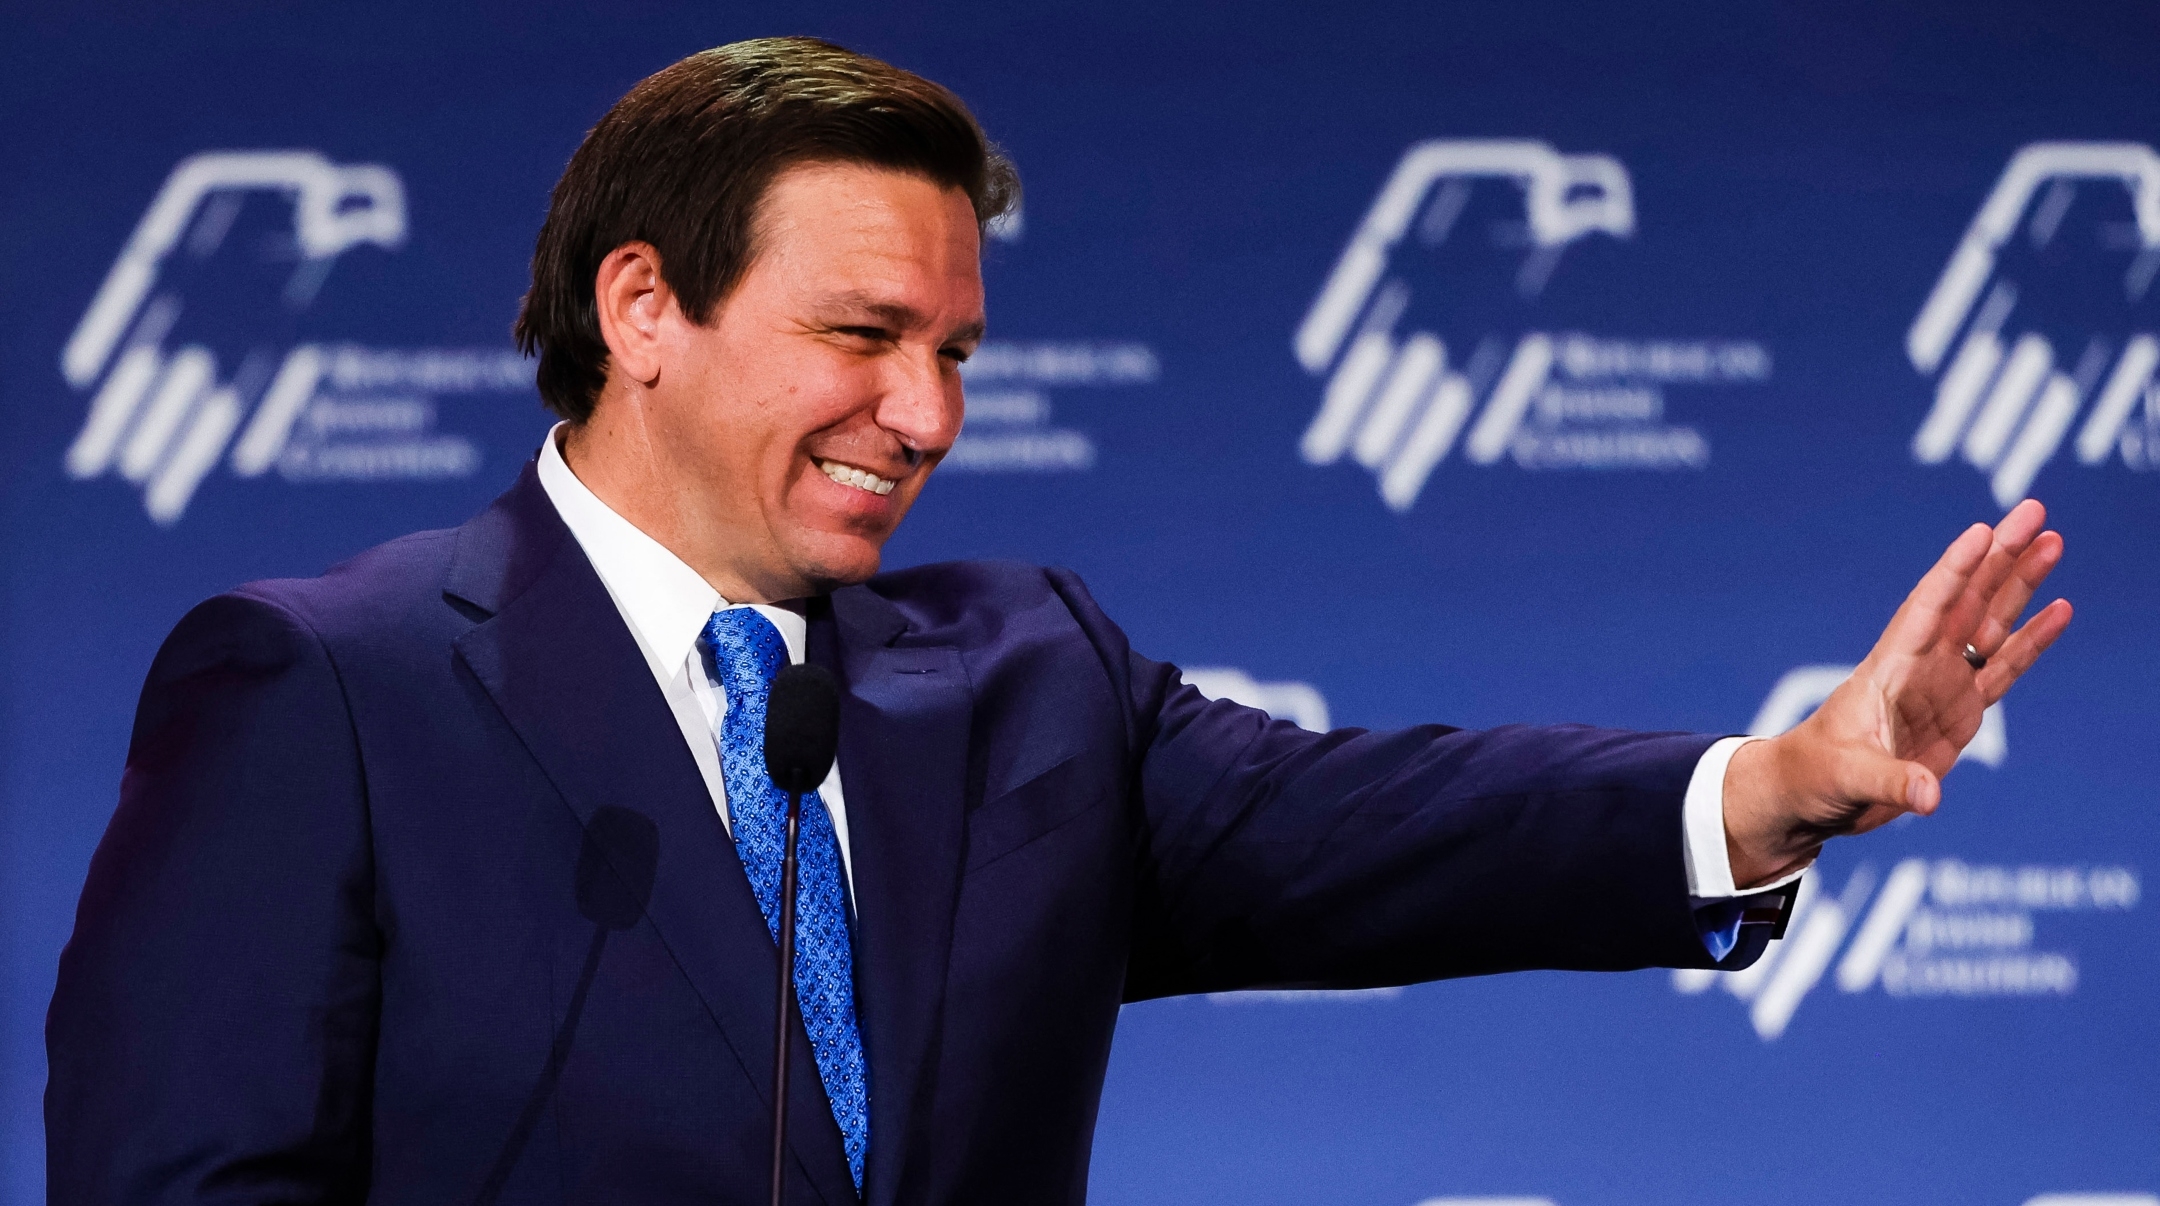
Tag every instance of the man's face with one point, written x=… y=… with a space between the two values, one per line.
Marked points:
x=804 y=417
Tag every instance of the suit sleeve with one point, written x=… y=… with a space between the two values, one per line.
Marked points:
x=213 y=1028
x=1275 y=857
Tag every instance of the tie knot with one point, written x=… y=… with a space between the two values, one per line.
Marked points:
x=747 y=652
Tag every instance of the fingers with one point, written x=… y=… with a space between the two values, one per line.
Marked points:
x=2024 y=522
x=2031 y=569
x=1885 y=785
x=1784 y=797
x=2024 y=647
x=1920 y=621
x=1977 y=589
x=2013 y=538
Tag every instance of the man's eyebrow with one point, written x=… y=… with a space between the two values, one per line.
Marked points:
x=893 y=314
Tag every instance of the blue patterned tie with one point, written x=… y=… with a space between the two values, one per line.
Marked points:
x=746 y=652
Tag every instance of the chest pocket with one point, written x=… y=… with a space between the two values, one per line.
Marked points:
x=1022 y=814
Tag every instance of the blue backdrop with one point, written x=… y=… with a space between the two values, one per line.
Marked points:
x=1541 y=361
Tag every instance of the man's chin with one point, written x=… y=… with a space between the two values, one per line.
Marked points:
x=827 y=570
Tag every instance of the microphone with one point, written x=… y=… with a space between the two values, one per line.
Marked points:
x=802 y=728
x=802 y=733
x=615 y=869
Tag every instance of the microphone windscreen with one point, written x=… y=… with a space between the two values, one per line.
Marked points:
x=615 y=867
x=802 y=728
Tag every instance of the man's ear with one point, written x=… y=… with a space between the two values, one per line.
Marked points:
x=632 y=300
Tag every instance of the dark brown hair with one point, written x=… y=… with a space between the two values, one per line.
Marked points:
x=682 y=161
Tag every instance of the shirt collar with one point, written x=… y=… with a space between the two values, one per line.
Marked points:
x=665 y=603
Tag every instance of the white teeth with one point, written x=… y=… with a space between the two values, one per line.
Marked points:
x=849 y=475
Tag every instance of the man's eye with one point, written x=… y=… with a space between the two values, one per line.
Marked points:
x=956 y=355
x=873 y=334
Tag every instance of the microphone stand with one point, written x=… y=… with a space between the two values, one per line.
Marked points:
x=802 y=732
x=784 y=1011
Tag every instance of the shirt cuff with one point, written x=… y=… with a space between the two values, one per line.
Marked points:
x=1709 y=865
x=1720 y=907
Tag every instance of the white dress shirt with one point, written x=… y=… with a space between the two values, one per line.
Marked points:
x=666 y=604
x=1702 y=815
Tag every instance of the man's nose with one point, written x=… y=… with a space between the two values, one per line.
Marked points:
x=921 y=403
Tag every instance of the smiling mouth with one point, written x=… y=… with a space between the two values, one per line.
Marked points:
x=860 y=479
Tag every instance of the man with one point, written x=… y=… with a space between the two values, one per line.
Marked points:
x=450 y=875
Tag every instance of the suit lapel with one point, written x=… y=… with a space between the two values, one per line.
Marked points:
x=561 y=665
x=904 y=719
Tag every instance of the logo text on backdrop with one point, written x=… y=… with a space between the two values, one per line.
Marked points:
x=2051 y=288
x=1940 y=927
x=1438 y=324
x=1010 y=426
x=194 y=345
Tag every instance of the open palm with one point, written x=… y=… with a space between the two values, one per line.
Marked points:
x=1880 y=744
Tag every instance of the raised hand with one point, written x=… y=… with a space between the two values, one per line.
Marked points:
x=1881 y=743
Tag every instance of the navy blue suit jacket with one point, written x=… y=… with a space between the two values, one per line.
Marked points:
x=415 y=894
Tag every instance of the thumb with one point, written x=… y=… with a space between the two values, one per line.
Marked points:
x=1887 y=782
